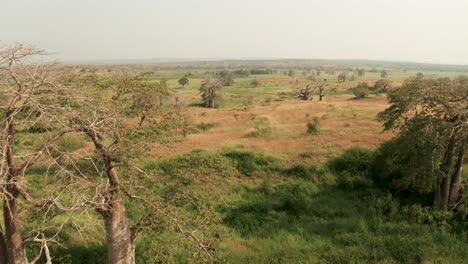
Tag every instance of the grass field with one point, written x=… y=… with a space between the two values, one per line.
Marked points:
x=264 y=189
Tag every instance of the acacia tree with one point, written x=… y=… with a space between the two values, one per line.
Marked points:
x=35 y=99
x=210 y=90
x=431 y=116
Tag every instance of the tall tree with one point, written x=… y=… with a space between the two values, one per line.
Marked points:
x=35 y=99
x=431 y=115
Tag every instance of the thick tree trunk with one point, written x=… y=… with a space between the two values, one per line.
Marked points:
x=120 y=245
x=456 y=179
x=120 y=242
x=120 y=238
x=443 y=191
x=14 y=241
x=3 y=248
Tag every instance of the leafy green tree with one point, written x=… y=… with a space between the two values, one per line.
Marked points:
x=431 y=117
x=183 y=81
x=210 y=90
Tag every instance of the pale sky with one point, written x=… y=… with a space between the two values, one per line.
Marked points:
x=410 y=30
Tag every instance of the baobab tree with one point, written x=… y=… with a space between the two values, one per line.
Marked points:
x=431 y=116
x=34 y=94
x=383 y=85
x=342 y=76
x=311 y=87
x=210 y=90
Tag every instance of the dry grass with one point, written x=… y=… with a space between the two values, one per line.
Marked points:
x=343 y=123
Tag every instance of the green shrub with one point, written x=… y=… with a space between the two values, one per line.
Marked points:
x=352 y=160
x=198 y=163
x=206 y=126
x=250 y=163
x=69 y=143
x=313 y=125
x=362 y=90
x=310 y=173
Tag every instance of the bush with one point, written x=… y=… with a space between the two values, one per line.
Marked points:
x=361 y=91
x=352 y=168
x=310 y=173
x=354 y=159
x=202 y=127
x=313 y=126
x=251 y=163
x=198 y=163
x=69 y=143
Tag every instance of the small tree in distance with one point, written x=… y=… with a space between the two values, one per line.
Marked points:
x=210 y=90
x=342 y=76
x=183 y=81
x=384 y=74
x=383 y=86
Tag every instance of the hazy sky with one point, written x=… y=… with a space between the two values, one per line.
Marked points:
x=411 y=30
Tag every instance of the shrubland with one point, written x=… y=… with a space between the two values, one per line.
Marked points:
x=99 y=167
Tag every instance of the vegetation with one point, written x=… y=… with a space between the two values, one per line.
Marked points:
x=98 y=164
x=362 y=90
x=183 y=81
x=210 y=90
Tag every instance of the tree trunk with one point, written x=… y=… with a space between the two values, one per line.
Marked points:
x=141 y=119
x=320 y=95
x=306 y=96
x=120 y=242
x=3 y=248
x=456 y=179
x=14 y=241
x=120 y=245
x=120 y=239
x=443 y=192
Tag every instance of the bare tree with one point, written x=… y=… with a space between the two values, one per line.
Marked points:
x=34 y=95
x=313 y=86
